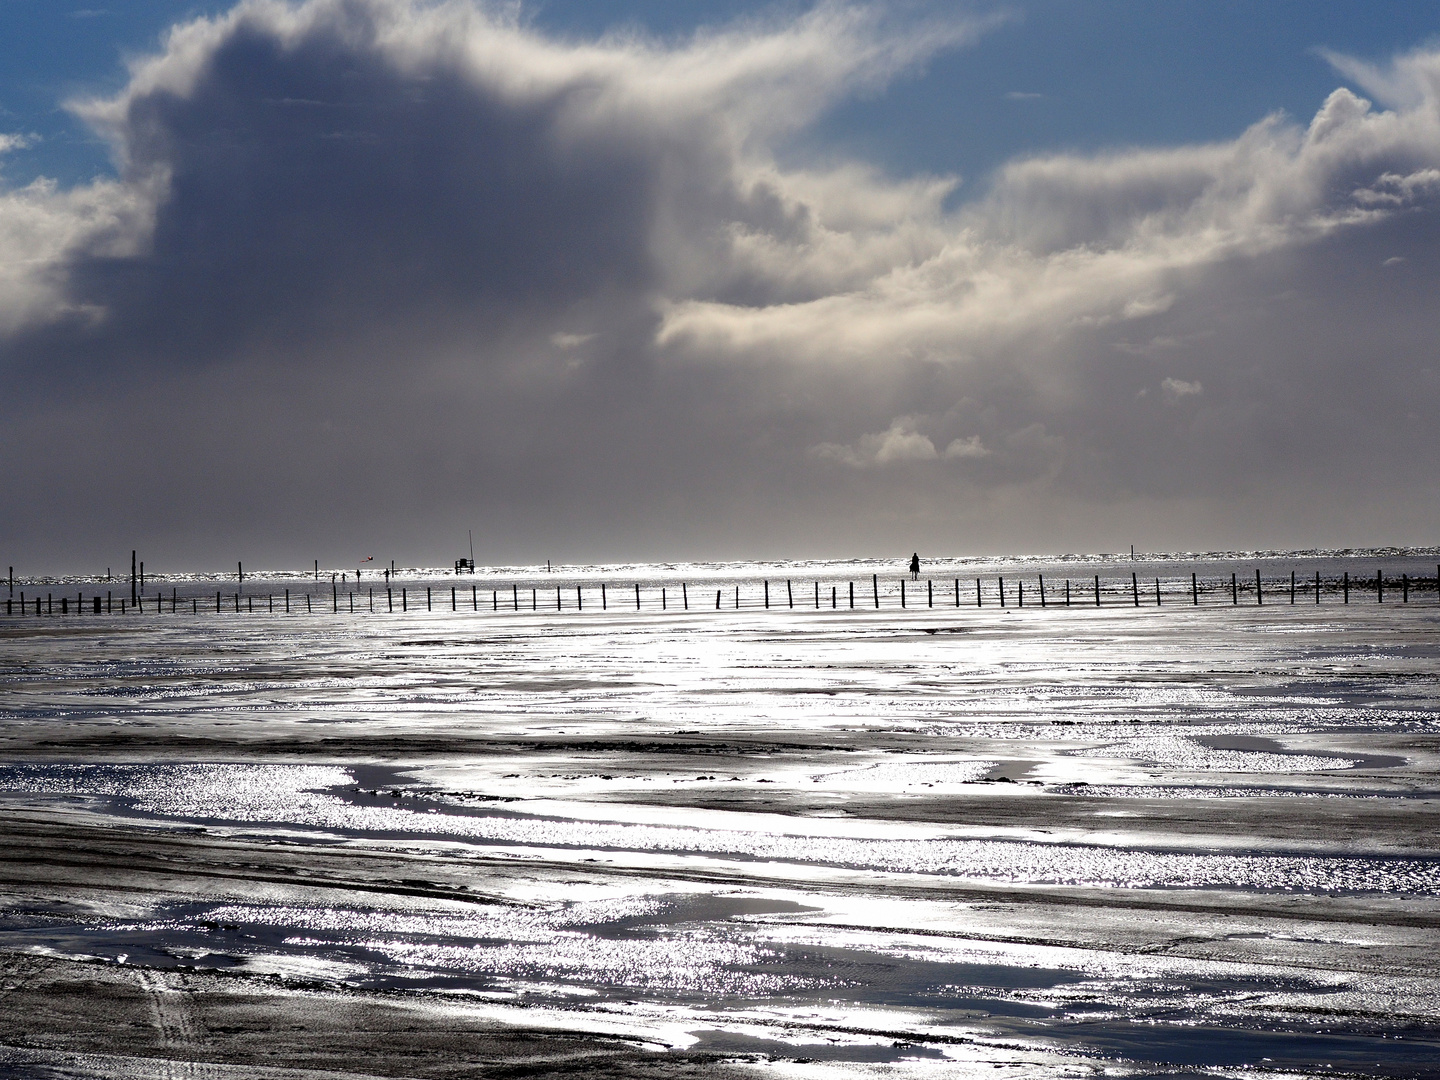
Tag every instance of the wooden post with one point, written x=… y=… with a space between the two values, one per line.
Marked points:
x=875 y=588
x=664 y=600
x=737 y=597
x=452 y=599
x=1157 y=592
x=217 y=603
x=1097 y=590
x=372 y=599
x=685 y=596
x=1292 y=588
x=1042 y=590
x=404 y=599
x=1002 y=592
x=637 y=597
x=1405 y=588
x=389 y=599
x=978 y=598
x=1379 y=587
x=427 y=597
x=852 y=590
x=579 y=600
x=240 y=573
x=335 y=598
x=929 y=593
x=132 y=579
x=1067 y=592
x=1259 y=595
x=534 y=599
x=1234 y=590
x=1346 y=586
x=307 y=603
x=1020 y=592
x=1135 y=587
x=834 y=597
x=1194 y=590
x=817 y=596
x=237 y=603
x=558 y=606
x=789 y=594
x=902 y=592
x=271 y=599
x=717 y=599
x=249 y=604
x=1317 y=586
x=957 y=592
x=352 y=602
x=474 y=597
x=317 y=574
x=514 y=597
x=767 y=594
x=604 y=605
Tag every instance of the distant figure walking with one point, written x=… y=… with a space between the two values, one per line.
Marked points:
x=915 y=567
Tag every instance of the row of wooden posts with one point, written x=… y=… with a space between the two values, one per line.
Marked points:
x=498 y=601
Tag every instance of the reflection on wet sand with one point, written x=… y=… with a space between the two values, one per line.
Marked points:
x=1050 y=844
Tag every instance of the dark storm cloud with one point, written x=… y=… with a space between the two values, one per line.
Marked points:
x=374 y=271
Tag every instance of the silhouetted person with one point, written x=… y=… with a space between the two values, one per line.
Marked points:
x=915 y=567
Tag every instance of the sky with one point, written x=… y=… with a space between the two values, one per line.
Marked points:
x=610 y=281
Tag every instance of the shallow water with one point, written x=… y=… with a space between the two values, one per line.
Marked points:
x=1055 y=840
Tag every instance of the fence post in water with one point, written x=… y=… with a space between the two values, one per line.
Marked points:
x=579 y=599
x=1067 y=592
x=514 y=597
x=1234 y=590
x=789 y=595
x=664 y=600
x=1097 y=590
x=1002 y=591
x=929 y=593
x=307 y=603
x=335 y=598
x=604 y=604
x=237 y=603
x=1292 y=586
x=1379 y=587
x=389 y=599
x=1020 y=591
x=817 y=596
x=767 y=594
x=474 y=597
x=558 y=606
x=875 y=587
x=427 y=597
x=977 y=593
x=852 y=590
x=1157 y=592
x=902 y=592
x=1317 y=586
x=1405 y=588
x=737 y=597
x=1346 y=586
x=1135 y=587
x=684 y=596
x=1259 y=596
x=957 y=592
x=834 y=597
x=717 y=599
x=1042 y=590
x=637 y=597
x=1194 y=590
x=452 y=598
x=404 y=599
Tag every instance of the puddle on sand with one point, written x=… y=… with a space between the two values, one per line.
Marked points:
x=324 y=799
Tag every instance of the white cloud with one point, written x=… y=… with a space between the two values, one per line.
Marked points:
x=1175 y=389
x=966 y=448
x=900 y=442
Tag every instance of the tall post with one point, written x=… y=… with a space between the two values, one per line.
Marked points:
x=1259 y=596
x=1097 y=590
x=1379 y=587
x=1345 y=585
x=604 y=604
x=685 y=596
x=767 y=594
x=902 y=592
x=1157 y=592
x=1292 y=587
x=637 y=597
x=957 y=592
x=1067 y=592
x=1194 y=590
x=452 y=598
x=1405 y=588
x=1042 y=590
x=240 y=573
x=1234 y=590
x=875 y=587
x=929 y=593
x=1317 y=586
x=132 y=577
x=317 y=570
x=978 y=596
x=579 y=600
x=852 y=590
x=1135 y=584
x=1002 y=591
x=789 y=594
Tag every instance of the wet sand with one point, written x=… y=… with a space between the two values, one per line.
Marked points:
x=1032 y=843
